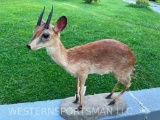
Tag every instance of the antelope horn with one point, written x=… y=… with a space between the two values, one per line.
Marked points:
x=40 y=17
x=49 y=19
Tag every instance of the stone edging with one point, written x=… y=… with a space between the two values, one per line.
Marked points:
x=141 y=105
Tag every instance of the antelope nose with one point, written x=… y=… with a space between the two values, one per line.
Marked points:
x=29 y=47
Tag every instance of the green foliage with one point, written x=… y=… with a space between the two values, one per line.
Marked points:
x=153 y=0
x=32 y=76
x=158 y=1
x=142 y=3
x=90 y=1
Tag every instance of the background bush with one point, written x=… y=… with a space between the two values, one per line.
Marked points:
x=90 y=1
x=153 y=0
x=142 y=3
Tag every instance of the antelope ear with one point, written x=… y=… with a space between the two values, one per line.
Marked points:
x=60 y=24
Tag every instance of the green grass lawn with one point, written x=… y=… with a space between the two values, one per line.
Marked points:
x=32 y=75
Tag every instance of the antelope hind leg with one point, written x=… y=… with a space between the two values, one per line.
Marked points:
x=109 y=96
x=113 y=101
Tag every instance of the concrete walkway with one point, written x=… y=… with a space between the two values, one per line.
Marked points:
x=141 y=105
x=153 y=5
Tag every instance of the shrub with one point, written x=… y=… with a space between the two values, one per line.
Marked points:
x=89 y=1
x=142 y=2
x=153 y=0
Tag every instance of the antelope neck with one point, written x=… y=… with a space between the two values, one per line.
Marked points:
x=58 y=53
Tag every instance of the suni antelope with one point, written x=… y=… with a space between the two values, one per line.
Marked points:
x=100 y=57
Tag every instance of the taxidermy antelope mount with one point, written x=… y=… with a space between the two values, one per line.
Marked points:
x=101 y=57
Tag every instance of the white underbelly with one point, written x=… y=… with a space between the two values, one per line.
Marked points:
x=98 y=70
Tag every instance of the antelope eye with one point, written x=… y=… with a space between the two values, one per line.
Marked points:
x=45 y=36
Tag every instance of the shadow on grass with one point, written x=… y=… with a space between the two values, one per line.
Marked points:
x=138 y=6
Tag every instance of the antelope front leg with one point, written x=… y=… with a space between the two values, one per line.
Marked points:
x=81 y=94
x=77 y=92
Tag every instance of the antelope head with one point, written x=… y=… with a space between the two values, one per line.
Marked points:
x=45 y=34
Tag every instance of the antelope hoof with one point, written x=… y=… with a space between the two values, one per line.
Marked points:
x=79 y=108
x=112 y=102
x=109 y=96
x=76 y=101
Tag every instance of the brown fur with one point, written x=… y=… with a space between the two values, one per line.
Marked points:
x=109 y=54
